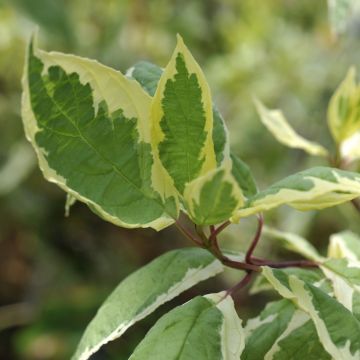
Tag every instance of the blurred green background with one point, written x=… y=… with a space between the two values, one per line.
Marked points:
x=56 y=271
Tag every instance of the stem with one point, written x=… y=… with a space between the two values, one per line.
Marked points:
x=243 y=282
x=255 y=240
x=216 y=232
x=285 y=264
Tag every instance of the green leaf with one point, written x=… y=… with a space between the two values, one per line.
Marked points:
x=345 y=244
x=276 y=123
x=182 y=119
x=204 y=328
x=143 y=292
x=243 y=176
x=90 y=127
x=214 y=197
x=282 y=332
x=315 y=188
x=294 y=242
x=343 y=111
x=337 y=328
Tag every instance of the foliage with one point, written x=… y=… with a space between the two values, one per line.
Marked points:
x=139 y=149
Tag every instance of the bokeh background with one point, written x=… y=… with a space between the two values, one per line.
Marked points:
x=56 y=271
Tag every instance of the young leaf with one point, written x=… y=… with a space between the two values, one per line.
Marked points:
x=337 y=328
x=350 y=148
x=315 y=188
x=148 y=75
x=343 y=111
x=200 y=329
x=282 y=332
x=89 y=125
x=294 y=242
x=345 y=244
x=213 y=198
x=276 y=123
x=143 y=292
x=182 y=119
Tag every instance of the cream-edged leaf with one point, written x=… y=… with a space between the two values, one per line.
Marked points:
x=337 y=328
x=203 y=328
x=345 y=277
x=214 y=197
x=282 y=332
x=312 y=189
x=182 y=120
x=90 y=128
x=275 y=122
x=345 y=244
x=343 y=110
x=143 y=292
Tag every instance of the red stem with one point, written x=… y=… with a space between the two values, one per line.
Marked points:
x=284 y=264
x=243 y=282
x=255 y=240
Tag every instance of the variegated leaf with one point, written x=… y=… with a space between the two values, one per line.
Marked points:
x=345 y=277
x=337 y=328
x=275 y=122
x=315 y=188
x=345 y=244
x=148 y=75
x=90 y=127
x=214 y=197
x=204 y=328
x=282 y=332
x=182 y=119
x=143 y=292
x=344 y=110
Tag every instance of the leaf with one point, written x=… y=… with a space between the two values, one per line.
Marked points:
x=345 y=277
x=90 y=127
x=282 y=332
x=314 y=276
x=200 y=329
x=276 y=123
x=294 y=242
x=214 y=197
x=312 y=189
x=182 y=118
x=343 y=110
x=243 y=176
x=345 y=244
x=350 y=148
x=143 y=292
x=336 y=326
x=147 y=74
